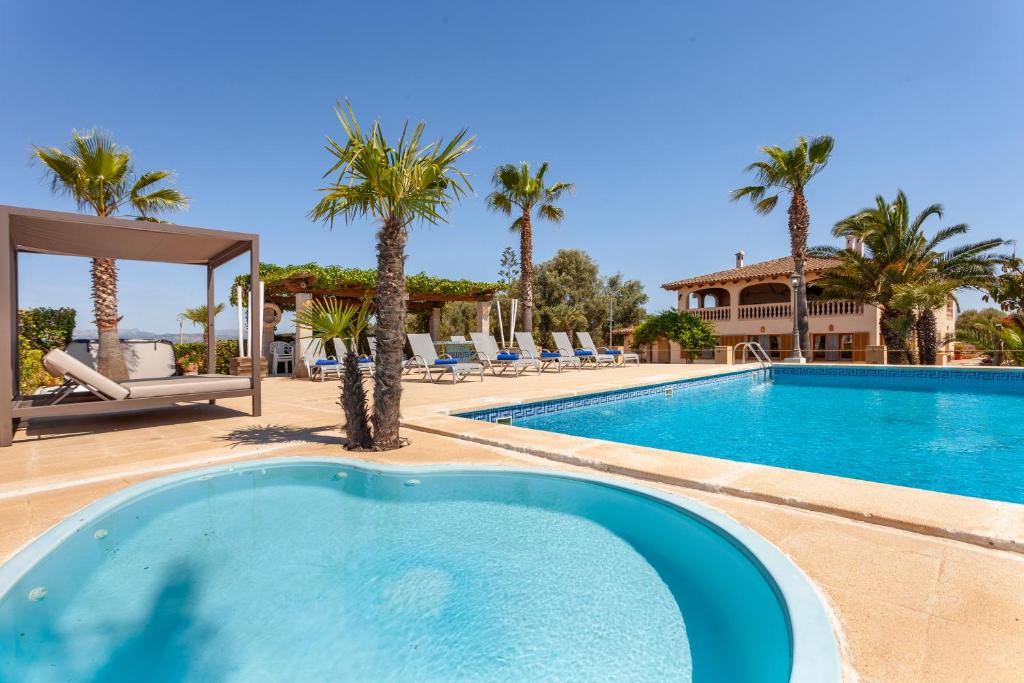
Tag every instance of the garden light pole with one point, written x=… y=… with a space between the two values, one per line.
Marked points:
x=796 y=356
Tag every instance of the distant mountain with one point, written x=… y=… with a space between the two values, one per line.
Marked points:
x=135 y=333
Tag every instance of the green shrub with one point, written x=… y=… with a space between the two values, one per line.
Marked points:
x=30 y=364
x=47 y=328
x=226 y=350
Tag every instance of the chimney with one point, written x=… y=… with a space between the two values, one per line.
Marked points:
x=855 y=244
x=739 y=258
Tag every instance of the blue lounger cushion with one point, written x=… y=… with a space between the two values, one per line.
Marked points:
x=550 y=354
x=365 y=360
x=508 y=356
x=584 y=352
x=613 y=352
x=446 y=361
x=326 y=361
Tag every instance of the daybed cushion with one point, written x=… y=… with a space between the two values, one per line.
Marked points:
x=63 y=364
x=181 y=385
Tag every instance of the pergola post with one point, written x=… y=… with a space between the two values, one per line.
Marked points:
x=211 y=332
x=302 y=336
x=483 y=316
x=435 y=323
x=9 y=336
x=255 y=323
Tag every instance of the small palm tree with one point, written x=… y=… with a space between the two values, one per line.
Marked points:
x=899 y=257
x=1003 y=339
x=97 y=173
x=789 y=170
x=515 y=188
x=199 y=317
x=918 y=300
x=331 y=319
x=396 y=185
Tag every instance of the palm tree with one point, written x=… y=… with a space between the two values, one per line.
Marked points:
x=899 y=258
x=516 y=188
x=395 y=185
x=789 y=170
x=198 y=316
x=97 y=173
x=918 y=301
x=1001 y=338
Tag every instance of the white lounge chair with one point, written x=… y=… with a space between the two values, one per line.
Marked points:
x=372 y=342
x=588 y=356
x=343 y=346
x=490 y=356
x=587 y=343
x=316 y=360
x=425 y=357
x=180 y=388
x=528 y=348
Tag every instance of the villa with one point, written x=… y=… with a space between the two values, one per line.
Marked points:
x=754 y=302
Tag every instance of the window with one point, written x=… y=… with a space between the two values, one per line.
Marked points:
x=846 y=347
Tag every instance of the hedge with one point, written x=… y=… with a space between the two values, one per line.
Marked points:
x=226 y=350
x=46 y=328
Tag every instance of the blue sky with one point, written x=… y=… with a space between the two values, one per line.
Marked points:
x=651 y=109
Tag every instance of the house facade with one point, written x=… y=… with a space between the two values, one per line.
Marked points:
x=755 y=303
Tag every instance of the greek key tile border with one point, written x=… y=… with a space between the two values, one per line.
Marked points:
x=946 y=379
x=517 y=412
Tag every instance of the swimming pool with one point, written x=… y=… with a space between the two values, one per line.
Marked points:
x=313 y=570
x=950 y=430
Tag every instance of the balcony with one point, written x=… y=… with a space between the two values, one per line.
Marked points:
x=778 y=311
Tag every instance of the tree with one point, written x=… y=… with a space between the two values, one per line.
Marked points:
x=198 y=317
x=627 y=299
x=508 y=271
x=330 y=319
x=968 y=318
x=1007 y=289
x=689 y=331
x=516 y=189
x=918 y=301
x=1001 y=339
x=789 y=170
x=898 y=254
x=395 y=185
x=98 y=174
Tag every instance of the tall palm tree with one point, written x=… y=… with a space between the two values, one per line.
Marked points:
x=515 y=188
x=394 y=184
x=199 y=317
x=898 y=256
x=789 y=170
x=98 y=174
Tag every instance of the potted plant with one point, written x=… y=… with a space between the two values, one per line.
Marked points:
x=189 y=360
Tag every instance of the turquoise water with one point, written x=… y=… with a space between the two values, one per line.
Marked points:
x=964 y=442
x=304 y=573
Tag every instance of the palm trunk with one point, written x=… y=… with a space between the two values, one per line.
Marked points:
x=927 y=344
x=894 y=340
x=353 y=403
x=391 y=306
x=799 y=226
x=526 y=270
x=110 y=358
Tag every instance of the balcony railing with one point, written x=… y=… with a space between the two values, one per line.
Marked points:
x=713 y=314
x=837 y=307
x=764 y=311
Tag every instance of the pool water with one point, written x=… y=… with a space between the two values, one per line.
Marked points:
x=315 y=573
x=956 y=441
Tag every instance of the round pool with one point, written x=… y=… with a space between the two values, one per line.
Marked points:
x=327 y=569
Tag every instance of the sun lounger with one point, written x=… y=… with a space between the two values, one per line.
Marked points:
x=490 y=356
x=425 y=357
x=343 y=346
x=179 y=388
x=588 y=356
x=587 y=343
x=528 y=348
x=316 y=360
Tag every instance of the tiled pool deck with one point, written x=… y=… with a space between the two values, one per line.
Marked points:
x=911 y=606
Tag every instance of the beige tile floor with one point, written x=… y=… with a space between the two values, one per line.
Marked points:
x=911 y=607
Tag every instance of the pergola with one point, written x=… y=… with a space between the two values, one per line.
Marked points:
x=71 y=234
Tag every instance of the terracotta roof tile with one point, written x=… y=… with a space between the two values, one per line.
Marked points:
x=764 y=269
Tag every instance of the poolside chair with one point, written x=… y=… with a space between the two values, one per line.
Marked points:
x=588 y=356
x=174 y=389
x=425 y=357
x=528 y=349
x=457 y=339
x=343 y=346
x=281 y=352
x=587 y=343
x=316 y=360
x=407 y=366
x=490 y=356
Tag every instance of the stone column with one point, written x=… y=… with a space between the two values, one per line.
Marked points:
x=483 y=316
x=435 y=323
x=303 y=336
